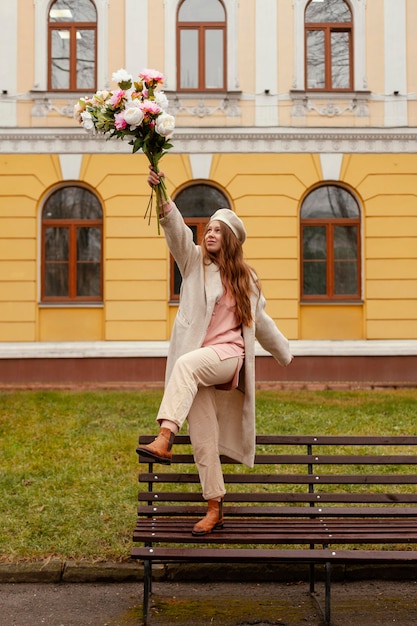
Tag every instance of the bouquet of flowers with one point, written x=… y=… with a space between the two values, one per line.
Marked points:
x=137 y=110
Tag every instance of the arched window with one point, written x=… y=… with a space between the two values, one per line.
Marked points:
x=328 y=45
x=330 y=245
x=197 y=204
x=201 y=46
x=72 y=45
x=72 y=226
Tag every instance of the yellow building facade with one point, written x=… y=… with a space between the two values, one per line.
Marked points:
x=266 y=139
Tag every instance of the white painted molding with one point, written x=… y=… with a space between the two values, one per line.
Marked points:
x=331 y=165
x=219 y=141
x=201 y=165
x=135 y=349
x=70 y=166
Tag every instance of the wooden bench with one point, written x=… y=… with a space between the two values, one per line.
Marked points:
x=309 y=499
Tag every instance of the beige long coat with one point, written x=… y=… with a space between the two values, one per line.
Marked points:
x=201 y=287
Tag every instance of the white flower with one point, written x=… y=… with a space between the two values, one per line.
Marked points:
x=161 y=100
x=133 y=116
x=121 y=76
x=87 y=120
x=165 y=125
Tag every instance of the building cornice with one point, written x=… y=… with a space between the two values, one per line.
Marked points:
x=216 y=140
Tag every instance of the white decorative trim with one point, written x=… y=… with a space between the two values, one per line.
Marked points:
x=201 y=165
x=395 y=62
x=359 y=53
x=170 y=74
x=41 y=44
x=70 y=166
x=266 y=63
x=219 y=141
x=331 y=165
x=136 y=48
x=137 y=349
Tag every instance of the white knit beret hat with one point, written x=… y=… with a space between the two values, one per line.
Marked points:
x=231 y=220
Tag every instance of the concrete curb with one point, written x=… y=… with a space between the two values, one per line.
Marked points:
x=57 y=571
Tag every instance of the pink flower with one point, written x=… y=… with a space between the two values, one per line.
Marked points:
x=119 y=121
x=149 y=107
x=116 y=98
x=151 y=76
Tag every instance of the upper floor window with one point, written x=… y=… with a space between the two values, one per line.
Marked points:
x=72 y=45
x=201 y=45
x=330 y=245
x=328 y=45
x=72 y=225
x=197 y=204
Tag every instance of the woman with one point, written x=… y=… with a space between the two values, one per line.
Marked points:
x=210 y=374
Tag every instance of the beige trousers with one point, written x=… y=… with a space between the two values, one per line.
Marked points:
x=190 y=394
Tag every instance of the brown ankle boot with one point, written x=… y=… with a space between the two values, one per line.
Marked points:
x=213 y=519
x=160 y=449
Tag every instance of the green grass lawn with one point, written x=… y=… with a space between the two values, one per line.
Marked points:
x=68 y=465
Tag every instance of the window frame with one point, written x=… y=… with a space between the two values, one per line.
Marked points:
x=202 y=28
x=73 y=28
x=330 y=224
x=72 y=225
x=328 y=28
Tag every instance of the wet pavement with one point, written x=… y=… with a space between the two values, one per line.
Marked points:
x=356 y=603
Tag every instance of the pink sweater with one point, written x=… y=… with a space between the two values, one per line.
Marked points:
x=224 y=334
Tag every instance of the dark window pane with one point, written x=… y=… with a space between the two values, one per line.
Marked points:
x=56 y=244
x=315 y=59
x=330 y=201
x=314 y=242
x=72 y=203
x=72 y=11
x=200 y=200
x=340 y=60
x=328 y=11
x=345 y=242
x=214 y=59
x=201 y=11
x=56 y=279
x=88 y=279
x=88 y=244
x=86 y=59
x=346 y=278
x=60 y=59
x=189 y=59
x=314 y=278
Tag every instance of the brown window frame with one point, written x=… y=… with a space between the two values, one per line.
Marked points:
x=201 y=27
x=72 y=225
x=329 y=224
x=329 y=28
x=200 y=223
x=73 y=28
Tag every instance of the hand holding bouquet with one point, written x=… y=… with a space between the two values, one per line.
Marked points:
x=137 y=110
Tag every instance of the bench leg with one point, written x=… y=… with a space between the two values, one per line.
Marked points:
x=312 y=578
x=327 y=610
x=147 y=589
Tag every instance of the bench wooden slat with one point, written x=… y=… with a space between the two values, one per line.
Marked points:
x=210 y=555
x=305 y=459
x=282 y=511
x=291 y=479
x=172 y=496
x=339 y=440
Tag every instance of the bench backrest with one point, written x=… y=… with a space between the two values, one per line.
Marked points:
x=294 y=474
